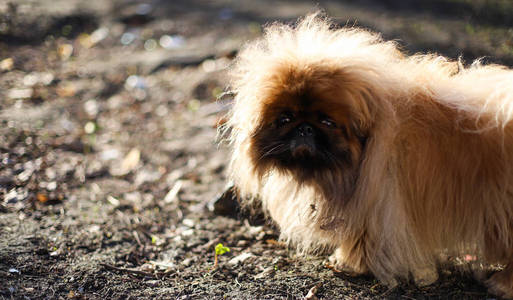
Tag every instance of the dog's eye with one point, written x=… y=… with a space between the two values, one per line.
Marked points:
x=284 y=118
x=328 y=122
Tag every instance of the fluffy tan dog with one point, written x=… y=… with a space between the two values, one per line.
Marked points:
x=389 y=160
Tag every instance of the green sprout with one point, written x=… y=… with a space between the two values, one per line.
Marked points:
x=220 y=250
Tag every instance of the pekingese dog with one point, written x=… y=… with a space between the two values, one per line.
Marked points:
x=389 y=160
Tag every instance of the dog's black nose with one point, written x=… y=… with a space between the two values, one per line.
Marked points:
x=306 y=130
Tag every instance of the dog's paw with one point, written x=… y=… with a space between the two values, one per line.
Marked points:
x=425 y=276
x=341 y=265
x=501 y=284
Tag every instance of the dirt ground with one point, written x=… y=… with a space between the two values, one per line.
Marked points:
x=109 y=167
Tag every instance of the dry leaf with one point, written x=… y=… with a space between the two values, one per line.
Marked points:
x=42 y=197
x=171 y=195
x=6 y=64
x=130 y=161
x=66 y=89
x=65 y=51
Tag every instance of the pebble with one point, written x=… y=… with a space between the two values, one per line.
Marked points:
x=187 y=262
x=188 y=232
x=20 y=93
x=110 y=154
x=25 y=175
x=113 y=201
x=134 y=197
x=14 y=196
x=51 y=186
x=153 y=283
x=91 y=107
x=98 y=35
x=34 y=78
x=188 y=223
x=145 y=175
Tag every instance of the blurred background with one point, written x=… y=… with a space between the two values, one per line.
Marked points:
x=109 y=169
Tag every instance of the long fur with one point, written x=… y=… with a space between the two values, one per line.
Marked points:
x=436 y=174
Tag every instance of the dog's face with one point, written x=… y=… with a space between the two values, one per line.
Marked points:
x=311 y=126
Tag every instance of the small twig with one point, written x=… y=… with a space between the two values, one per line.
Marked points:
x=161 y=275
x=386 y=292
x=137 y=239
x=333 y=268
x=374 y=286
x=223 y=95
x=276 y=243
x=130 y=271
x=215 y=261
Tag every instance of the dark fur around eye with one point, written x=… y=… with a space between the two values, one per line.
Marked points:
x=284 y=118
x=328 y=122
